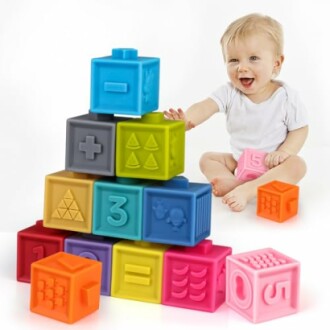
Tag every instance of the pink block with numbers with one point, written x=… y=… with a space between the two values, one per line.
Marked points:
x=194 y=277
x=251 y=165
x=262 y=285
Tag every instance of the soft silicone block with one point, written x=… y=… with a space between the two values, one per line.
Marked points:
x=262 y=284
x=150 y=147
x=277 y=201
x=124 y=83
x=137 y=271
x=251 y=165
x=118 y=208
x=69 y=201
x=34 y=243
x=195 y=277
x=96 y=248
x=177 y=212
x=90 y=144
x=65 y=287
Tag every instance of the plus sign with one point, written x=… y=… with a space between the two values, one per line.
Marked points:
x=90 y=147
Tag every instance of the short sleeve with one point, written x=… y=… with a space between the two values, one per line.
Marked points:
x=296 y=111
x=223 y=97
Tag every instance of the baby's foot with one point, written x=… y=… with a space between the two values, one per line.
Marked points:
x=221 y=187
x=238 y=198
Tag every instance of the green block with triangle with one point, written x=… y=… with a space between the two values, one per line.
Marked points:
x=150 y=147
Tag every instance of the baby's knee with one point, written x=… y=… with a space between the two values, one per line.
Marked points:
x=204 y=160
x=299 y=166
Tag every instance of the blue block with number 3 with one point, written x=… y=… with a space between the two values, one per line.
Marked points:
x=117 y=209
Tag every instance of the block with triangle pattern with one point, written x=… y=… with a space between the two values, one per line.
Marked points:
x=150 y=147
x=69 y=201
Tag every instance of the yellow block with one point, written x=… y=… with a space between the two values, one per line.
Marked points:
x=137 y=270
x=69 y=201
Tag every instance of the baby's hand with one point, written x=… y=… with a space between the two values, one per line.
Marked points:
x=178 y=115
x=275 y=158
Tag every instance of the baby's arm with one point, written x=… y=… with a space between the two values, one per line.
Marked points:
x=196 y=114
x=291 y=146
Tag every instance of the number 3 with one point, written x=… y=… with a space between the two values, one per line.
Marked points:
x=119 y=217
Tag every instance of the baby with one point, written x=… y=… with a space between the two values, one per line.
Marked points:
x=262 y=113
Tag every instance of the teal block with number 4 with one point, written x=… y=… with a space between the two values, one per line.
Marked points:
x=117 y=209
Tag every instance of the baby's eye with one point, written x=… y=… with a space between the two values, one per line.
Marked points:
x=254 y=58
x=232 y=60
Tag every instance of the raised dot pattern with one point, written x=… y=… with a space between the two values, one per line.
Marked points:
x=265 y=260
x=270 y=203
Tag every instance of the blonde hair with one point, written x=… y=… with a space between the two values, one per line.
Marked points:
x=251 y=24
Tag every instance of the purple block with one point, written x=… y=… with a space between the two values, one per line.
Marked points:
x=96 y=248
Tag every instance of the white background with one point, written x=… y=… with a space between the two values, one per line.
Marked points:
x=45 y=52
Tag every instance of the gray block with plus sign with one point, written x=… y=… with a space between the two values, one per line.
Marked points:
x=91 y=143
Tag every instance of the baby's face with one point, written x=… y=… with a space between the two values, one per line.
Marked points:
x=251 y=64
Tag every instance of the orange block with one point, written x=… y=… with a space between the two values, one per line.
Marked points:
x=65 y=287
x=277 y=201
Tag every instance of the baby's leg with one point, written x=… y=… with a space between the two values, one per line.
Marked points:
x=292 y=170
x=219 y=170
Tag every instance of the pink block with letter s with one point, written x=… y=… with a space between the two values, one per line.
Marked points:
x=251 y=165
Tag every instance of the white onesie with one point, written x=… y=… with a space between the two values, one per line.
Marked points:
x=262 y=126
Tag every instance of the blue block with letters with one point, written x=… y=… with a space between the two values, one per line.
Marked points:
x=124 y=83
x=177 y=212
x=118 y=208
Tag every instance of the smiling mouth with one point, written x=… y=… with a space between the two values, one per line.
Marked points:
x=246 y=82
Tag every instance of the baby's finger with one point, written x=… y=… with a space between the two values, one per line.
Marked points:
x=271 y=162
x=181 y=114
x=171 y=114
x=276 y=160
x=175 y=114
x=168 y=115
x=268 y=161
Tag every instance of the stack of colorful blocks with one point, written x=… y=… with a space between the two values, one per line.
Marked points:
x=129 y=225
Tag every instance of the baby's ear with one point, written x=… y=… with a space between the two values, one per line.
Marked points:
x=278 y=64
x=279 y=61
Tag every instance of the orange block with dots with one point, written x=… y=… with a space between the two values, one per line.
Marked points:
x=65 y=287
x=277 y=201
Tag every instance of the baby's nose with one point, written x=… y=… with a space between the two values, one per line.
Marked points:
x=242 y=68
